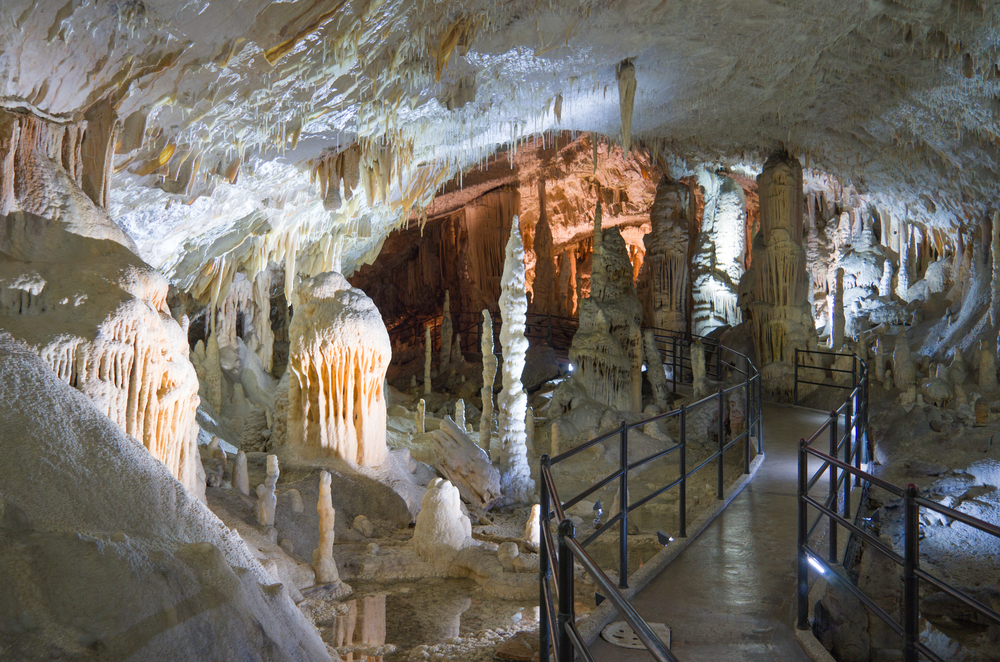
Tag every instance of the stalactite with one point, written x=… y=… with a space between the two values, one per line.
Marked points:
x=339 y=355
x=515 y=474
x=626 y=99
x=489 y=376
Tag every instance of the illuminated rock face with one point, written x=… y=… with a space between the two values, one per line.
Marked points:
x=773 y=291
x=73 y=290
x=717 y=265
x=607 y=349
x=665 y=272
x=338 y=357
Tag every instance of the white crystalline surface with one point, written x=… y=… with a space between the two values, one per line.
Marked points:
x=123 y=562
x=339 y=354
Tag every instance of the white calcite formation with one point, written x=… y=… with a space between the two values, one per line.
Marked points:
x=267 y=500
x=323 y=562
x=717 y=264
x=533 y=528
x=489 y=376
x=515 y=474
x=607 y=352
x=773 y=292
x=72 y=288
x=466 y=465
x=338 y=357
x=665 y=276
x=103 y=540
x=442 y=529
x=241 y=479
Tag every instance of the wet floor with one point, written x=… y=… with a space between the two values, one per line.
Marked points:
x=730 y=595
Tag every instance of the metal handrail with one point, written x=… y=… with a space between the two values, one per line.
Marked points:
x=561 y=635
x=854 y=444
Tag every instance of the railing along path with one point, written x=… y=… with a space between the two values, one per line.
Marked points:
x=558 y=631
x=854 y=444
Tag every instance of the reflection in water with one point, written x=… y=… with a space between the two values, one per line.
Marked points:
x=389 y=619
x=363 y=626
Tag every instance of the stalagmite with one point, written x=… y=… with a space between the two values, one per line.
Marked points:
x=607 y=349
x=880 y=359
x=987 y=367
x=489 y=376
x=903 y=277
x=995 y=280
x=460 y=413
x=554 y=445
x=266 y=498
x=885 y=283
x=322 y=559
x=626 y=98
x=654 y=372
x=338 y=357
x=837 y=313
x=419 y=416
x=457 y=358
x=664 y=278
x=515 y=475
x=532 y=530
x=773 y=292
x=717 y=264
x=446 y=331
x=427 y=359
x=241 y=479
x=904 y=372
x=699 y=379
x=529 y=428
x=442 y=529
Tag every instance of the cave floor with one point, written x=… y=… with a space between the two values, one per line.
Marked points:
x=731 y=594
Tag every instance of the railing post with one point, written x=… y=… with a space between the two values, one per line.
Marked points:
x=543 y=566
x=802 y=621
x=566 y=594
x=911 y=560
x=795 y=397
x=861 y=451
x=760 y=413
x=683 y=462
x=849 y=448
x=673 y=362
x=722 y=443
x=747 y=423
x=834 y=506
x=623 y=509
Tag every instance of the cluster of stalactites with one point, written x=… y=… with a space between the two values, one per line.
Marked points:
x=83 y=149
x=254 y=301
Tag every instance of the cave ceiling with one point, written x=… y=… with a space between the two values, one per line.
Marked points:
x=232 y=113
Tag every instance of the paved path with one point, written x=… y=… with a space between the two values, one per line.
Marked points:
x=730 y=595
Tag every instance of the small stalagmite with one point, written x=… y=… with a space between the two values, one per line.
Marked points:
x=987 y=367
x=442 y=529
x=460 y=413
x=419 y=416
x=654 y=371
x=904 y=372
x=338 y=357
x=700 y=380
x=427 y=359
x=533 y=528
x=266 y=498
x=323 y=562
x=489 y=376
x=446 y=331
x=241 y=479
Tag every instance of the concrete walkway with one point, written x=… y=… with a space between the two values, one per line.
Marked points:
x=730 y=595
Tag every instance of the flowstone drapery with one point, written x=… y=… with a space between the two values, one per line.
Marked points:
x=515 y=475
x=717 y=264
x=607 y=349
x=664 y=280
x=73 y=289
x=773 y=292
x=339 y=354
